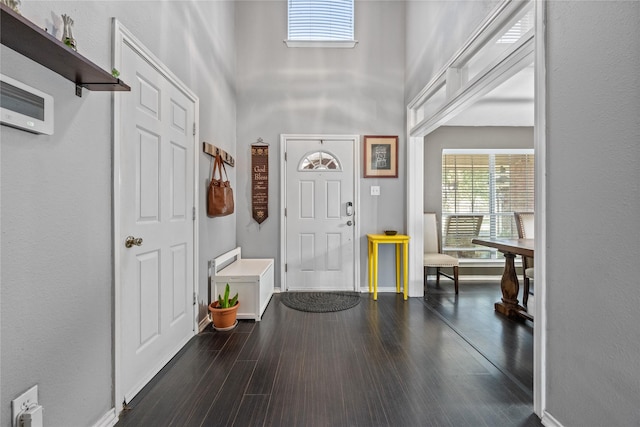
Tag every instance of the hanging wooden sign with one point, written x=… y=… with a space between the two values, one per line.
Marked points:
x=260 y=181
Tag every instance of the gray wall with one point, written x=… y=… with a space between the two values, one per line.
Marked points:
x=435 y=31
x=57 y=273
x=57 y=280
x=319 y=91
x=593 y=196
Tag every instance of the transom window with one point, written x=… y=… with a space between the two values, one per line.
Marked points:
x=321 y=20
x=483 y=188
x=320 y=160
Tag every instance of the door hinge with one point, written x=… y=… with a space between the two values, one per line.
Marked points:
x=194 y=213
x=285 y=211
x=194 y=128
x=285 y=156
x=285 y=268
x=195 y=298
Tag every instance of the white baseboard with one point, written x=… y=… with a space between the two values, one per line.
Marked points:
x=204 y=323
x=469 y=278
x=548 y=420
x=108 y=420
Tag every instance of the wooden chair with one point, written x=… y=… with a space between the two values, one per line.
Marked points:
x=460 y=230
x=525 y=226
x=432 y=255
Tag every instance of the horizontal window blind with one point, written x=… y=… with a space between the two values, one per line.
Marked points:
x=493 y=185
x=313 y=20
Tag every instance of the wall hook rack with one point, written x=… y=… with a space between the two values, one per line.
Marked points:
x=214 y=151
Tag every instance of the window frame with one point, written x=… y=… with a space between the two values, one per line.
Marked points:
x=493 y=215
x=314 y=42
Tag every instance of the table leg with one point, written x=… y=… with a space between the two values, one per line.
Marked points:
x=370 y=264
x=405 y=272
x=397 y=245
x=375 y=271
x=509 y=285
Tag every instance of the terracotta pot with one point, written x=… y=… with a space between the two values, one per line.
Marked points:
x=223 y=317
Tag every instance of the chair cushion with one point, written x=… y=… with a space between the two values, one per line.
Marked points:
x=440 y=260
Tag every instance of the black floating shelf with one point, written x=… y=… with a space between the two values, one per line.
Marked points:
x=21 y=35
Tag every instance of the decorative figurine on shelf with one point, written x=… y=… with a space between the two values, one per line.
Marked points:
x=67 y=36
x=13 y=4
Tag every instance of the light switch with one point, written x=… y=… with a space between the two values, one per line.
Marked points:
x=375 y=190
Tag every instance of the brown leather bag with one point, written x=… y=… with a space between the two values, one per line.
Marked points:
x=220 y=194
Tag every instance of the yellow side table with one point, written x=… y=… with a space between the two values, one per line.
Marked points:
x=398 y=240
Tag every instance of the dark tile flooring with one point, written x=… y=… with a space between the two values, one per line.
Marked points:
x=384 y=363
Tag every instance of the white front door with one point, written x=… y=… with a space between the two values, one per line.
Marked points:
x=320 y=214
x=156 y=198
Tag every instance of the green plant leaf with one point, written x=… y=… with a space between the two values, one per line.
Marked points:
x=226 y=296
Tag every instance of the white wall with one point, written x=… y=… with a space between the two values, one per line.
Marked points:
x=319 y=91
x=57 y=278
x=593 y=206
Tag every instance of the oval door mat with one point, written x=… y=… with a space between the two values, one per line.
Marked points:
x=320 y=302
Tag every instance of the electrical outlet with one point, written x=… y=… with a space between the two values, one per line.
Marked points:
x=26 y=400
x=375 y=190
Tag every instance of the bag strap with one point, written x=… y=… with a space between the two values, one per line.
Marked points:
x=223 y=168
x=219 y=165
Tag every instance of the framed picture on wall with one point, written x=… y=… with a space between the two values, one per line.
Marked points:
x=380 y=156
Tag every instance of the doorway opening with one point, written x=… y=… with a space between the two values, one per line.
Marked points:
x=479 y=68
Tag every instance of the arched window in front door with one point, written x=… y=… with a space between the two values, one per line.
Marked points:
x=319 y=160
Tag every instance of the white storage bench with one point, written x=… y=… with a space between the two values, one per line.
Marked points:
x=251 y=278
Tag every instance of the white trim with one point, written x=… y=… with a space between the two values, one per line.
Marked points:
x=509 y=64
x=356 y=200
x=496 y=18
x=488 y=151
x=121 y=36
x=415 y=209
x=469 y=278
x=549 y=421
x=540 y=266
x=202 y=325
x=108 y=420
x=327 y=44
x=531 y=49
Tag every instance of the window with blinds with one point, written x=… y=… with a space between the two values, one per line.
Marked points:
x=321 y=20
x=492 y=184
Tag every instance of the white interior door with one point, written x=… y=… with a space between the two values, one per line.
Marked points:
x=320 y=214
x=156 y=198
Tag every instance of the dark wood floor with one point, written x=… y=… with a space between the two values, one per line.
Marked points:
x=505 y=343
x=384 y=363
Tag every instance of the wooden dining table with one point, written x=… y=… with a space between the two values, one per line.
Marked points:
x=509 y=306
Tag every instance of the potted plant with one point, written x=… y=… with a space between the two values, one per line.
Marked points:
x=224 y=311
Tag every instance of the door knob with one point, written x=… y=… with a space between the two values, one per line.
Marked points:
x=349 y=223
x=132 y=241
